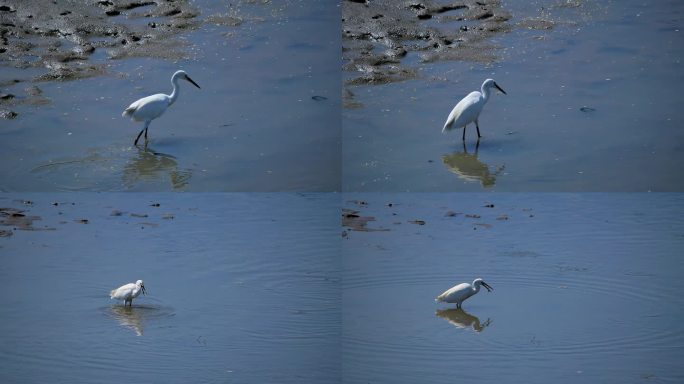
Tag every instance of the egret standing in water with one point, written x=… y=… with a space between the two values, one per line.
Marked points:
x=459 y=293
x=128 y=292
x=150 y=107
x=468 y=109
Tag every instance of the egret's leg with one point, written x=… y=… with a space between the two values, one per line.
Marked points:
x=138 y=138
x=147 y=124
x=464 y=128
x=478 y=129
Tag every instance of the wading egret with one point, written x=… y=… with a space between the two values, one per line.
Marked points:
x=150 y=107
x=468 y=109
x=128 y=292
x=459 y=293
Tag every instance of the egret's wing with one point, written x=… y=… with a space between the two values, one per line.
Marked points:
x=451 y=290
x=457 y=114
x=148 y=108
x=116 y=293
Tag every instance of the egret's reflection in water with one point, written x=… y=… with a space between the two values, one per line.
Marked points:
x=462 y=319
x=467 y=167
x=152 y=166
x=137 y=317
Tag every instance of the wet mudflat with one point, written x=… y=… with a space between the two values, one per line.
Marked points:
x=586 y=288
x=240 y=287
x=592 y=100
x=266 y=118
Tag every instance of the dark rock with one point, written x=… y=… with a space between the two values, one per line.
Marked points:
x=7 y=114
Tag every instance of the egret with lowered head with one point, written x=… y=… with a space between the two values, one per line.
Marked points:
x=150 y=107
x=468 y=109
x=128 y=292
x=459 y=293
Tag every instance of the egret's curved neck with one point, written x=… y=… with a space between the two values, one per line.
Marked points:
x=176 y=89
x=485 y=96
x=476 y=288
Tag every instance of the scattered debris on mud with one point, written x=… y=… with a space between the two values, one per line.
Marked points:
x=384 y=41
x=352 y=220
x=377 y=35
x=61 y=36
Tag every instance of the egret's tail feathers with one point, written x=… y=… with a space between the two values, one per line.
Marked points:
x=111 y=293
x=447 y=126
x=128 y=112
x=439 y=298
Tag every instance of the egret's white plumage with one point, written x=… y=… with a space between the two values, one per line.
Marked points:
x=150 y=107
x=459 y=293
x=128 y=292
x=468 y=109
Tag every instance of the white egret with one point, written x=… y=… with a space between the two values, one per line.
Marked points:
x=150 y=107
x=459 y=293
x=128 y=292
x=468 y=109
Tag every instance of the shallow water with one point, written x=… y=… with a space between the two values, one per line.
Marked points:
x=586 y=288
x=592 y=105
x=254 y=126
x=240 y=288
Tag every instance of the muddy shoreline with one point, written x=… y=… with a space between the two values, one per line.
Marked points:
x=69 y=40
x=378 y=35
x=62 y=36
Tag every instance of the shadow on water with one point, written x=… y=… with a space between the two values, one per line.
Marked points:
x=150 y=165
x=462 y=319
x=469 y=168
x=137 y=316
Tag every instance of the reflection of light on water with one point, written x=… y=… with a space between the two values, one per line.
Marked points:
x=469 y=168
x=85 y=172
x=151 y=166
x=462 y=319
x=129 y=317
x=137 y=316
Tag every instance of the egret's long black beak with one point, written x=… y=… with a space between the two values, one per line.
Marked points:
x=497 y=87
x=489 y=288
x=143 y=290
x=195 y=84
